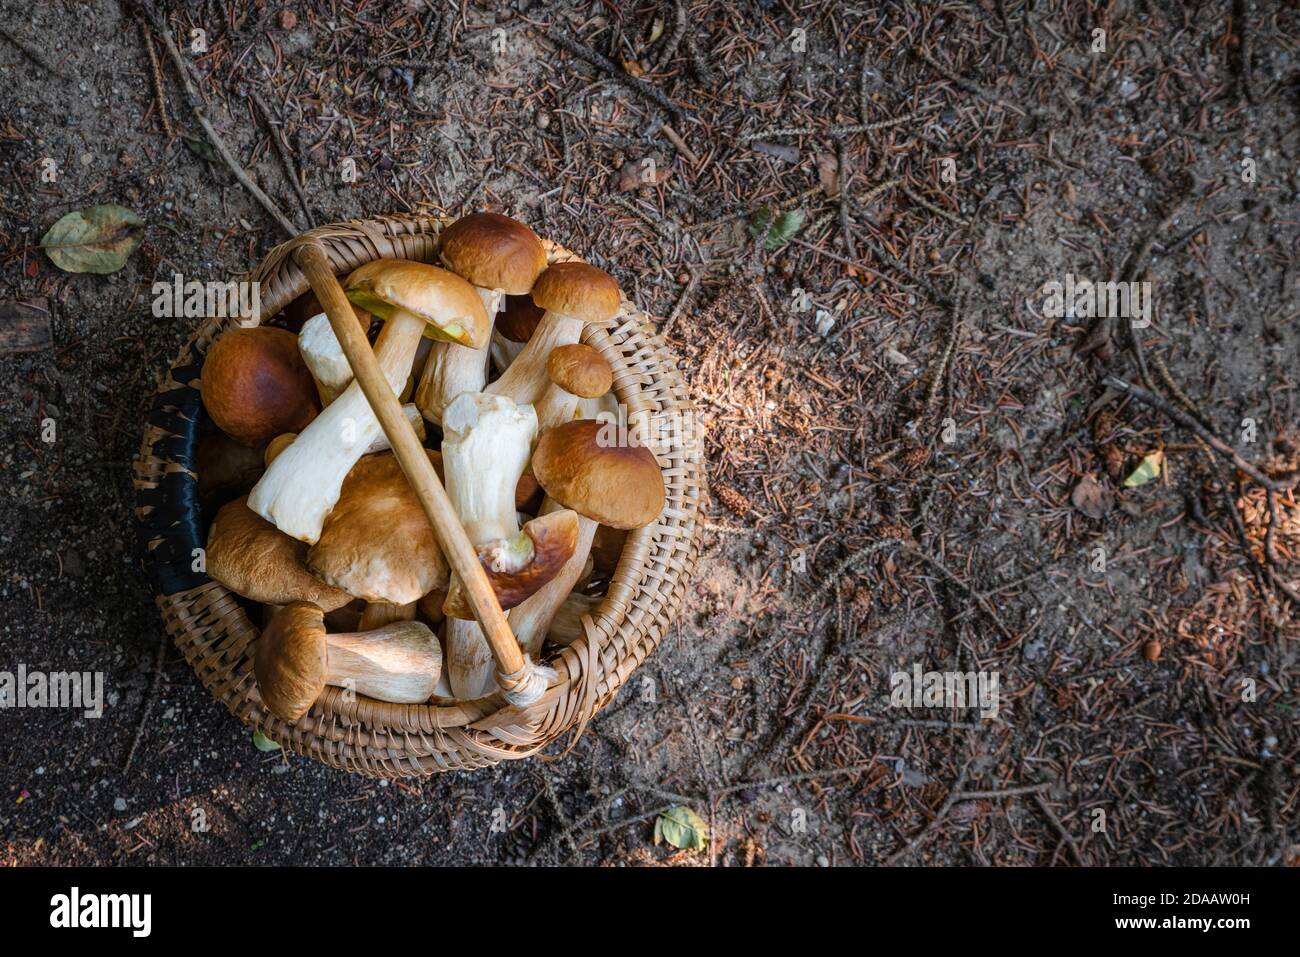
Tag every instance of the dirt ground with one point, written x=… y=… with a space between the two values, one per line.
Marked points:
x=898 y=431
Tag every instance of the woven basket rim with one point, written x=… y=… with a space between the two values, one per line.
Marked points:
x=377 y=738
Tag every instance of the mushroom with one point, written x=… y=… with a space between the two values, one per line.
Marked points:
x=281 y=442
x=469 y=661
x=226 y=468
x=606 y=484
x=302 y=484
x=515 y=326
x=577 y=372
x=486 y=439
x=377 y=543
x=255 y=386
x=253 y=558
x=500 y=256
x=296 y=659
x=376 y=614
x=572 y=293
x=485 y=446
x=324 y=356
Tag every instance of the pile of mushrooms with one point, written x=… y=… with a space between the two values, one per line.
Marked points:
x=316 y=523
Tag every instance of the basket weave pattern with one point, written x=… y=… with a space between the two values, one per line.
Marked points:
x=210 y=627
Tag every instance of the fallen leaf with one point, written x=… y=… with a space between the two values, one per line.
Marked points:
x=1092 y=498
x=1147 y=470
x=682 y=827
x=201 y=148
x=97 y=239
x=828 y=173
x=263 y=743
x=778 y=231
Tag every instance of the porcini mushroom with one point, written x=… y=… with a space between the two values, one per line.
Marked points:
x=255 y=385
x=514 y=327
x=377 y=543
x=281 y=442
x=302 y=484
x=253 y=558
x=606 y=484
x=296 y=659
x=485 y=446
x=324 y=357
x=577 y=372
x=572 y=293
x=486 y=440
x=499 y=256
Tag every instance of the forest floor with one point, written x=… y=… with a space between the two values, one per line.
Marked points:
x=914 y=462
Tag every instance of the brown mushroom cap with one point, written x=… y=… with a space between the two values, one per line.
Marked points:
x=616 y=485
x=255 y=385
x=253 y=558
x=494 y=252
x=292 y=660
x=518 y=320
x=579 y=290
x=377 y=542
x=449 y=304
x=580 y=370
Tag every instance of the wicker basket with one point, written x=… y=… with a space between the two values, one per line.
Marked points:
x=376 y=738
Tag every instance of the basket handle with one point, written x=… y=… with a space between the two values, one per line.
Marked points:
x=514 y=671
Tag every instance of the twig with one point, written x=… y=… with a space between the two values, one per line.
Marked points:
x=674 y=40
x=155 y=74
x=999 y=793
x=602 y=62
x=682 y=300
x=699 y=61
x=282 y=151
x=845 y=228
x=937 y=210
x=200 y=113
x=148 y=701
x=925 y=832
x=832 y=131
x=34 y=54
x=971 y=87
x=1060 y=829
x=1185 y=420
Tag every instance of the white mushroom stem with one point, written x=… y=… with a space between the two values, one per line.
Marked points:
x=453 y=368
x=324 y=358
x=556 y=406
x=526 y=379
x=470 y=668
x=380 y=613
x=400 y=662
x=302 y=485
x=594 y=408
x=486 y=442
x=504 y=351
x=531 y=619
x=485 y=447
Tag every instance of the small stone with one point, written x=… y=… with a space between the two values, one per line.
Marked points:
x=288 y=19
x=119 y=804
